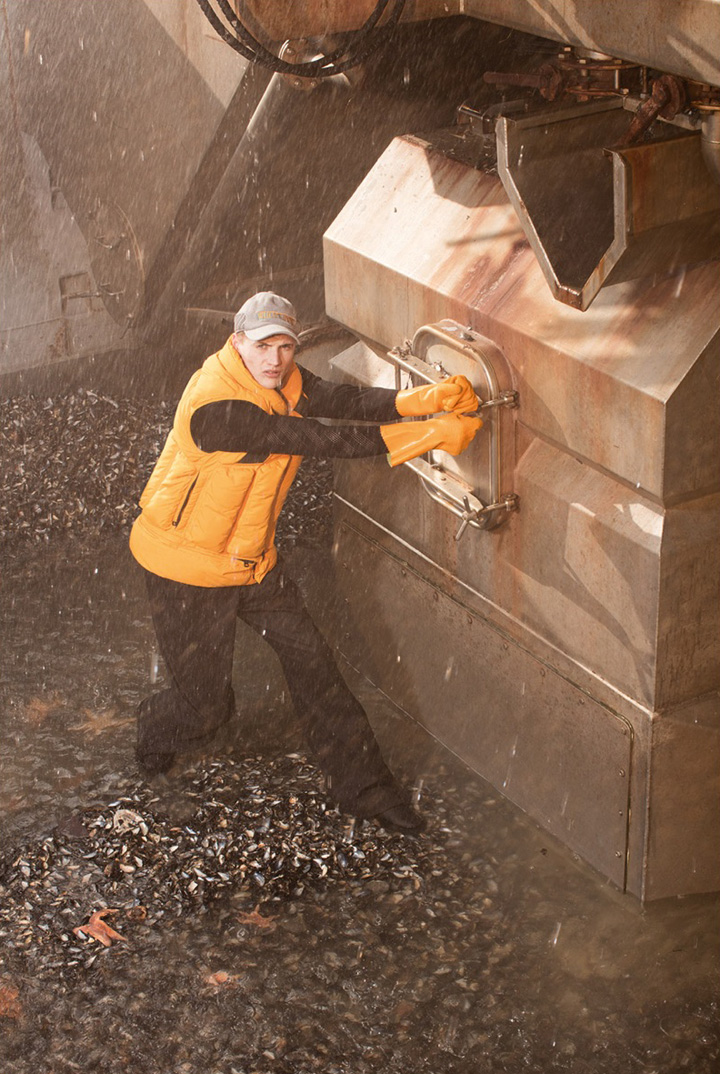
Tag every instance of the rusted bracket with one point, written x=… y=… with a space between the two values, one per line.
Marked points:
x=666 y=100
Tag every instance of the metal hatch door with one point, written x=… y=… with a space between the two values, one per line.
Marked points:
x=473 y=486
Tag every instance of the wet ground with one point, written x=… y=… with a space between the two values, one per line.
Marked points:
x=306 y=943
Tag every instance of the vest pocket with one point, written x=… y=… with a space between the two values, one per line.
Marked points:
x=214 y=511
x=178 y=517
x=168 y=500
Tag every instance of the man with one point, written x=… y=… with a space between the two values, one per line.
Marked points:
x=205 y=539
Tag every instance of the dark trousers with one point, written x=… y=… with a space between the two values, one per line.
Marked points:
x=195 y=629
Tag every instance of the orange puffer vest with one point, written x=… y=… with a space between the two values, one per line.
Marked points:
x=208 y=519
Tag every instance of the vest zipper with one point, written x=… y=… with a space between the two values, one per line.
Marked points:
x=183 y=505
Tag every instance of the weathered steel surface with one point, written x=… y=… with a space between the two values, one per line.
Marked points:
x=609 y=572
x=109 y=151
x=683 y=810
x=663 y=34
x=610 y=402
x=547 y=740
x=281 y=19
x=687 y=662
x=578 y=566
x=560 y=184
x=595 y=214
x=580 y=375
x=545 y=744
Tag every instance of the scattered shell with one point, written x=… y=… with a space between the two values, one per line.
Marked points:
x=261 y=824
x=77 y=463
x=380 y=954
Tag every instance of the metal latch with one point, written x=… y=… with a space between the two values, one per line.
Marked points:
x=455 y=494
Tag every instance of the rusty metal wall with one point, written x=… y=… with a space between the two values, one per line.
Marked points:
x=609 y=572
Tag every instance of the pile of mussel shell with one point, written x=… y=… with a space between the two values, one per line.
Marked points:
x=261 y=825
x=77 y=462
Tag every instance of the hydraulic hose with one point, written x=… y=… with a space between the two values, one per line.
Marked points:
x=360 y=45
x=256 y=46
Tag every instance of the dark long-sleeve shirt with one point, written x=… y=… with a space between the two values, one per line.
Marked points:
x=239 y=426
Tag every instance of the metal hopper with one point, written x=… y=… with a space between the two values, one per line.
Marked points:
x=565 y=652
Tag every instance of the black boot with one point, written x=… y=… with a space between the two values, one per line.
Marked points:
x=161 y=735
x=152 y=763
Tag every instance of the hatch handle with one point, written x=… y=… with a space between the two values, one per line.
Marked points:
x=445 y=488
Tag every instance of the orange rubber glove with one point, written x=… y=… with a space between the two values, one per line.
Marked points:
x=456 y=394
x=407 y=439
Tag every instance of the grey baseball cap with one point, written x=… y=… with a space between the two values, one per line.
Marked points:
x=267 y=314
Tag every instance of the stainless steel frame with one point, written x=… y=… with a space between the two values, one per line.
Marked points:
x=448 y=489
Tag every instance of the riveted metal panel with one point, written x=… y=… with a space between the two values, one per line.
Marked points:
x=545 y=744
